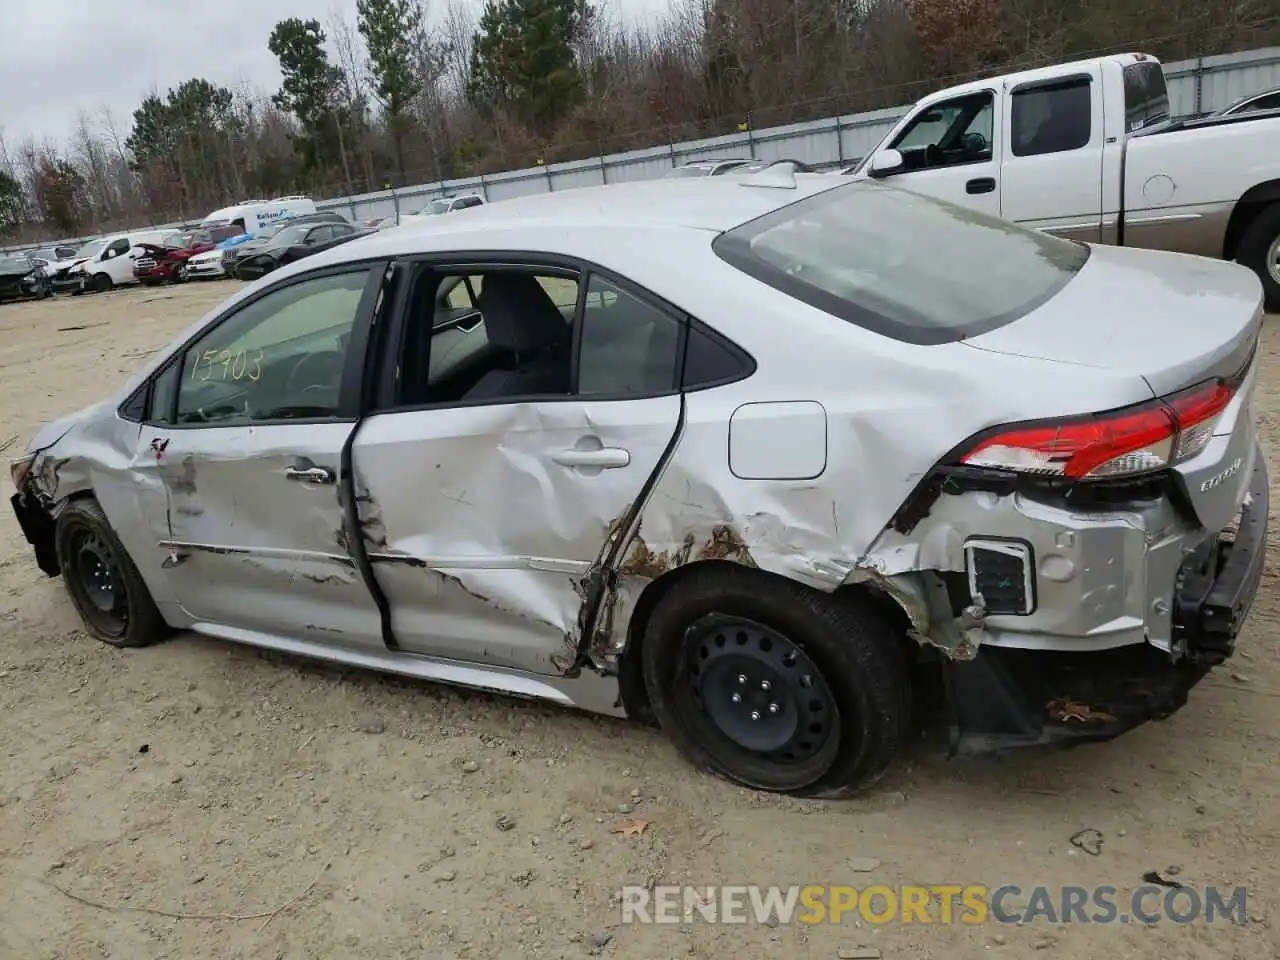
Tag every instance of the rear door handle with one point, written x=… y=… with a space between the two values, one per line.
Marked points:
x=606 y=458
x=309 y=474
x=980 y=185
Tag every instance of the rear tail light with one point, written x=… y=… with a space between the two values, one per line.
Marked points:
x=1122 y=443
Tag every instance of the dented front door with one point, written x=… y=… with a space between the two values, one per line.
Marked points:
x=481 y=522
x=256 y=536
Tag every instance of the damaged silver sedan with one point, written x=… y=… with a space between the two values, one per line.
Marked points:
x=756 y=457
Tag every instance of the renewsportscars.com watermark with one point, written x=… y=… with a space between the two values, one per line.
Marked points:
x=938 y=903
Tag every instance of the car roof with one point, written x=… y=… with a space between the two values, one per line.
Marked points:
x=652 y=231
x=710 y=204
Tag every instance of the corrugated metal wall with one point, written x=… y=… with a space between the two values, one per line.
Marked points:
x=1195 y=86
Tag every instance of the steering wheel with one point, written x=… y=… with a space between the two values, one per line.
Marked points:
x=315 y=371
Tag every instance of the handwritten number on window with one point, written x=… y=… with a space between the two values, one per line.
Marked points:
x=234 y=365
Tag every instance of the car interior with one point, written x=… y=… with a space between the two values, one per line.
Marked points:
x=951 y=133
x=510 y=333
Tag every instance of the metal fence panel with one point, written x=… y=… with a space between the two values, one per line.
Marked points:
x=1195 y=86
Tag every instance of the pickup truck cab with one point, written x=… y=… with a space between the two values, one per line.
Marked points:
x=1087 y=150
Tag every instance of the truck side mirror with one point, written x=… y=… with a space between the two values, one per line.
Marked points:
x=885 y=163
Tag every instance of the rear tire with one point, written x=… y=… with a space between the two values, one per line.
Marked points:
x=776 y=686
x=108 y=591
x=1259 y=250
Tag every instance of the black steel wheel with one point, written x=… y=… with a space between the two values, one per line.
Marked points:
x=102 y=581
x=773 y=685
x=101 y=283
x=760 y=689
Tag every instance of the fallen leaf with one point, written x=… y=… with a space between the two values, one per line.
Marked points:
x=631 y=828
x=1063 y=710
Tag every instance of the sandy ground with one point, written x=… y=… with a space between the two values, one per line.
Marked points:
x=220 y=784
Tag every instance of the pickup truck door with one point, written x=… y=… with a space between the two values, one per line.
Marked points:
x=1051 y=146
x=947 y=151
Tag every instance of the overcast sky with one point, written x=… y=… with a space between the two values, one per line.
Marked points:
x=58 y=57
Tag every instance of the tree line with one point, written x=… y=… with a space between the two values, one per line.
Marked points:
x=400 y=97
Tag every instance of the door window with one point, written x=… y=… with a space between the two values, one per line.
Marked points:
x=522 y=344
x=117 y=248
x=1052 y=119
x=948 y=134
x=628 y=347
x=281 y=357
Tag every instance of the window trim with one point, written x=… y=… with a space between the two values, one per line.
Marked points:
x=473 y=262
x=1069 y=81
x=990 y=93
x=352 y=373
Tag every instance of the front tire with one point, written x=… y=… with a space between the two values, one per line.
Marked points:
x=1259 y=250
x=773 y=685
x=102 y=581
x=101 y=283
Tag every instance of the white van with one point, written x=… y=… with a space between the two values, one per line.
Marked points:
x=253 y=215
x=110 y=264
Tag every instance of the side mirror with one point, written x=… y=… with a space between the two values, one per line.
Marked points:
x=884 y=163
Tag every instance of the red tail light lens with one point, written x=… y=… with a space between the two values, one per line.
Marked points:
x=1119 y=444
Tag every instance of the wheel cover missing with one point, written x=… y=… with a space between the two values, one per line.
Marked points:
x=759 y=689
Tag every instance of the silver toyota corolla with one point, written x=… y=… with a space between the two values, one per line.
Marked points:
x=760 y=457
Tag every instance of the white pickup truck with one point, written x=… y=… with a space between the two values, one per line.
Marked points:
x=1087 y=150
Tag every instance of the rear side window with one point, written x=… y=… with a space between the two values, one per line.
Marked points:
x=1146 y=97
x=1052 y=118
x=901 y=264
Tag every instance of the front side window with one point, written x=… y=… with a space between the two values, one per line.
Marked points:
x=947 y=134
x=1052 y=119
x=901 y=264
x=280 y=357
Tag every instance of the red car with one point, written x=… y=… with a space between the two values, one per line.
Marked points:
x=163 y=264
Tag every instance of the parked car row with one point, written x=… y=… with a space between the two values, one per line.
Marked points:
x=245 y=241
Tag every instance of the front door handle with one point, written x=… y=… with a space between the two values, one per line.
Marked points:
x=980 y=185
x=309 y=474
x=606 y=458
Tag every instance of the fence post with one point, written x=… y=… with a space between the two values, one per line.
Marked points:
x=839 y=141
x=484 y=189
x=546 y=169
x=1197 y=72
x=751 y=139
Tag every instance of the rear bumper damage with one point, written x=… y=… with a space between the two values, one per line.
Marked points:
x=1004 y=698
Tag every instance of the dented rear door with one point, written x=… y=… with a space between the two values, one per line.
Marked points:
x=482 y=522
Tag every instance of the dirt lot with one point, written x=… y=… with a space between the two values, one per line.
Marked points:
x=214 y=782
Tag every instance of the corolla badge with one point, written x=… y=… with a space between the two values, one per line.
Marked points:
x=1220 y=478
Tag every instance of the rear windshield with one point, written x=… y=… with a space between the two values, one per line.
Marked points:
x=901 y=264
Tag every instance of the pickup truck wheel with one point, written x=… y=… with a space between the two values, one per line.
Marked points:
x=1259 y=250
x=101 y=282
x=105 y=586
x=775 y=686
